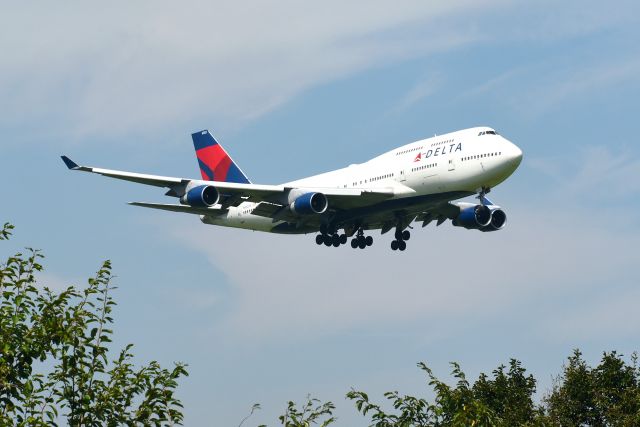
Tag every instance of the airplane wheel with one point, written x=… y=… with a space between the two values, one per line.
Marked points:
x=319 y=239
x=398 y=235
x=369 y=240
x=406 y=235
x=327 y=240
x=335 y=240
x=402 y=245
x=362 y=243
x=394 y=245
x=336 y=244
x=343 y=239
x=354 y=243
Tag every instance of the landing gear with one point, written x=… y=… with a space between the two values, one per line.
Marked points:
x=360 y=241
x=330 y=237
x=400 y=242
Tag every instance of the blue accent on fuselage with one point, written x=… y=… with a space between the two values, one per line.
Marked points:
x=203 y=139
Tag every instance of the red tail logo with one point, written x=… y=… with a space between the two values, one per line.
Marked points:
x=418 y=157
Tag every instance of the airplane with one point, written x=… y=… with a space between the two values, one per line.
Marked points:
x=417 y=182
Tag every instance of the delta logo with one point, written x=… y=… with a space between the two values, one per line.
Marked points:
x=418 y=158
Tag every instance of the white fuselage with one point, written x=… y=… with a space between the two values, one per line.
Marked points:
x=458 y=163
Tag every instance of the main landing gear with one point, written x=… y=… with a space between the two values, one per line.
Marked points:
x=401 y=238
x=360 y=241
x=332 y=238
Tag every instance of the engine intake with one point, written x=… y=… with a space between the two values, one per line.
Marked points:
x=201 y=196
x=309 y=204
x=498 y=220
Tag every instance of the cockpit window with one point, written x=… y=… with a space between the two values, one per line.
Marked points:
x=488 y=132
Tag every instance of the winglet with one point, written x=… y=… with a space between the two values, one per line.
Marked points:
x=70 y=163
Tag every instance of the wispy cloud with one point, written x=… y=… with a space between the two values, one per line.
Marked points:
x=594 y=173
x=113 y=69
x=418 y=93
x=287 y=286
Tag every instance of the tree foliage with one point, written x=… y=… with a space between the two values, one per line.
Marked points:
x=607 y=395
x=54 y=356
x=312 y=412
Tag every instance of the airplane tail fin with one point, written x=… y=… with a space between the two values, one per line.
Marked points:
x=215 y=164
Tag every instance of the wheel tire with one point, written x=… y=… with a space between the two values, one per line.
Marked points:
x=369 y=240
x=319 y=239
x=336 y=244
x=343 y=239
x=406 y=235
x=398 y=235
x=327 y=240
x=402 y=245
x=335 y=240
x=394 y=245
x=354 y=243
x=362 y=243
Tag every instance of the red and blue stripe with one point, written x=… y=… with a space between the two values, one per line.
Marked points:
x=215 y=164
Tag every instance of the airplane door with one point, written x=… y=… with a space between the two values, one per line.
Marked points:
x=402 y=175
x=452 y=165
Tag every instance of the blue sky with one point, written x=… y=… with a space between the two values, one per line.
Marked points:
x=293 y=89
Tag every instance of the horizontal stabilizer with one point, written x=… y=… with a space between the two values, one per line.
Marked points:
x=180 y=208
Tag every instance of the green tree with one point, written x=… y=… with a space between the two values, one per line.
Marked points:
x=453 y=406
x=54 y=362
x=509 y=394
x=312 y=412
x=608 y=395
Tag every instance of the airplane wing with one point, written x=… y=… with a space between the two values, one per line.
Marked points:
x=236 y=193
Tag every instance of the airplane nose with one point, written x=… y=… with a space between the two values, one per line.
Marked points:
x=515 y=154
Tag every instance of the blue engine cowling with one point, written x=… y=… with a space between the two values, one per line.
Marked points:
x=309 y=204
x=201 y=196
x=498 y=220
x=473 y=217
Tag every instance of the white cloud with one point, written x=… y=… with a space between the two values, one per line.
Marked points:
x=594 y=172
x=419 y=92
x=113 y=68
x=287 y=286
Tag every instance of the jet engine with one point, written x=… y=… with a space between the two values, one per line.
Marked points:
x=309 y=204
x=473 y=217
x=201 y=196
x=498 y=220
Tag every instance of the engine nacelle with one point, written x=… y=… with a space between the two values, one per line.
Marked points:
x=309 y=204
x=202 y=196
x=473 y=217
x=498 y=220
